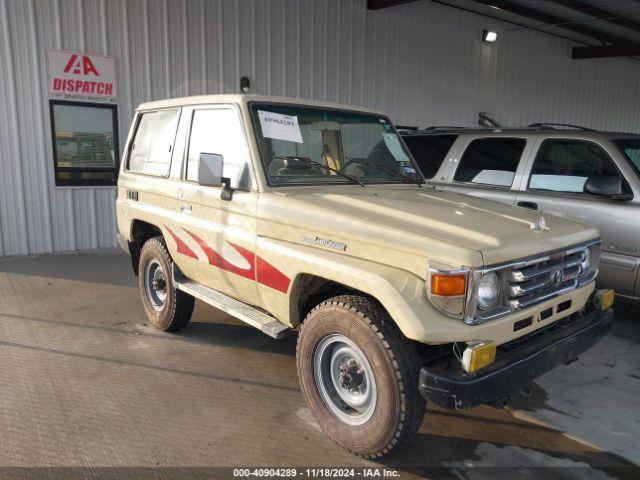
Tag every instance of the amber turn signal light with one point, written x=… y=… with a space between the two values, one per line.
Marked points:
x=448 y=285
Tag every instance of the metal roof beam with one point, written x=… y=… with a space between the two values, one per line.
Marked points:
x=606 y=51
x=551 y=20
x=597 y=12
x=379 y=4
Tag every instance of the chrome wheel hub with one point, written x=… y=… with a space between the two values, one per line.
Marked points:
x=344 y=379
x=155 y=285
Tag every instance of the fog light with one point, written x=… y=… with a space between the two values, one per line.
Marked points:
x=604 y=298
x=478 y=355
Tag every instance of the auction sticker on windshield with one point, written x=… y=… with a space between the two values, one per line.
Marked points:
x=279 y=126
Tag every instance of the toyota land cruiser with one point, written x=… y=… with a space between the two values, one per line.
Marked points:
x=293 y=215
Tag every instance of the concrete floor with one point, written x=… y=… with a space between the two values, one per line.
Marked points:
x=89 y=390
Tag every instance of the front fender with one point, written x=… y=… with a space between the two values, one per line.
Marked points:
x=400 y=292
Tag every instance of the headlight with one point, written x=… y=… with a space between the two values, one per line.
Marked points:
x=488 y=290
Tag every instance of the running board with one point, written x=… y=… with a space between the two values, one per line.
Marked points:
x=248 y=314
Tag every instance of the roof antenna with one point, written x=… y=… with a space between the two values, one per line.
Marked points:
x=485 y=120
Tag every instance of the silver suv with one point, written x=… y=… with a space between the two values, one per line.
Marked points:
x=564 y=170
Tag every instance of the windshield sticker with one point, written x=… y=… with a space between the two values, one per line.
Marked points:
x=393 y=144
x=407 y=170
x=280 y=127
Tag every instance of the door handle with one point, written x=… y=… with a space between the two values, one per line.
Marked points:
x=186 y=208
x=529 y=205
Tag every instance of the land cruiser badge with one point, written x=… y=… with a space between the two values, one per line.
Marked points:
x=325 y=242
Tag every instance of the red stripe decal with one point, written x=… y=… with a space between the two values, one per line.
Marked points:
x=271 y=277
x=183 y=248
x=259 y=269
x=217 y=260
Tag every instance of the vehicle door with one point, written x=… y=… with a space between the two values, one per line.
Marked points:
x=555 y=179
x=216 y=238
x=489 y=167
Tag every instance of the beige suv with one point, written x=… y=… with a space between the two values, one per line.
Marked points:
x=312 y=217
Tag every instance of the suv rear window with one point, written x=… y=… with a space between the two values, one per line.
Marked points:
x=491 y=161
x=564 y=165
x=429 y=151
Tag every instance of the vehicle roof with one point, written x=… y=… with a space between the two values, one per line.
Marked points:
x=543 y=132
x=245 y=98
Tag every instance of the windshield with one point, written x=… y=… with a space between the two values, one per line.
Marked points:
x=631 y=148
x=308 y=145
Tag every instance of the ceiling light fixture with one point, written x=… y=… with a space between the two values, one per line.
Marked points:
x=489 y=36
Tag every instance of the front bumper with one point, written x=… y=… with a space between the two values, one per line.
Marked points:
x=517 y=364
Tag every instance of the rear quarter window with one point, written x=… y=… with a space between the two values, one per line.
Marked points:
x=429 y=151
x=631 y=149
x=564 y=165
x=490 y=161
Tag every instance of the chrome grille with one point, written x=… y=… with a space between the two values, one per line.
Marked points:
x=544 y=278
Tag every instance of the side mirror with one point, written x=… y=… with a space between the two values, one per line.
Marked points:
x=605 y=186
x=210 y=168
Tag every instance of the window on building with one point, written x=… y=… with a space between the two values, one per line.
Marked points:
x=564 y=165
x=85 y=143
x=491 y=161
x=219 y=131
x=429 y=151
x=152 y=145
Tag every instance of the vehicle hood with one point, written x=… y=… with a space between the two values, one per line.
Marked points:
x=424 y=221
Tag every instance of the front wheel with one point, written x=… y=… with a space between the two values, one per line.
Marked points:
x=167 y=308
x=359 y=375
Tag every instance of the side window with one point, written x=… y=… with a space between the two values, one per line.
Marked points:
x=219 y=131
x=564 y=165
x=152 y=144
x=429 y=151
x=490 y=161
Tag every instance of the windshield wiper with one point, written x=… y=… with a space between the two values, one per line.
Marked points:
x=321 y=165
x=382 y=168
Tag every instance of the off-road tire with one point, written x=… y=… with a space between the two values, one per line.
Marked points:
x=395 y=363
x=178 y=306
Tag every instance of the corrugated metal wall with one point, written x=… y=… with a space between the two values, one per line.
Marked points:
x=423 y=63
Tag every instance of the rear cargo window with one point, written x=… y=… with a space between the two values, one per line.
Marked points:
x=491 y=161
x=429 y=151
x=152 y=144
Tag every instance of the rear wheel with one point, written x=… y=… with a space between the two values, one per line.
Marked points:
x=166 y=307
x=359 y=375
